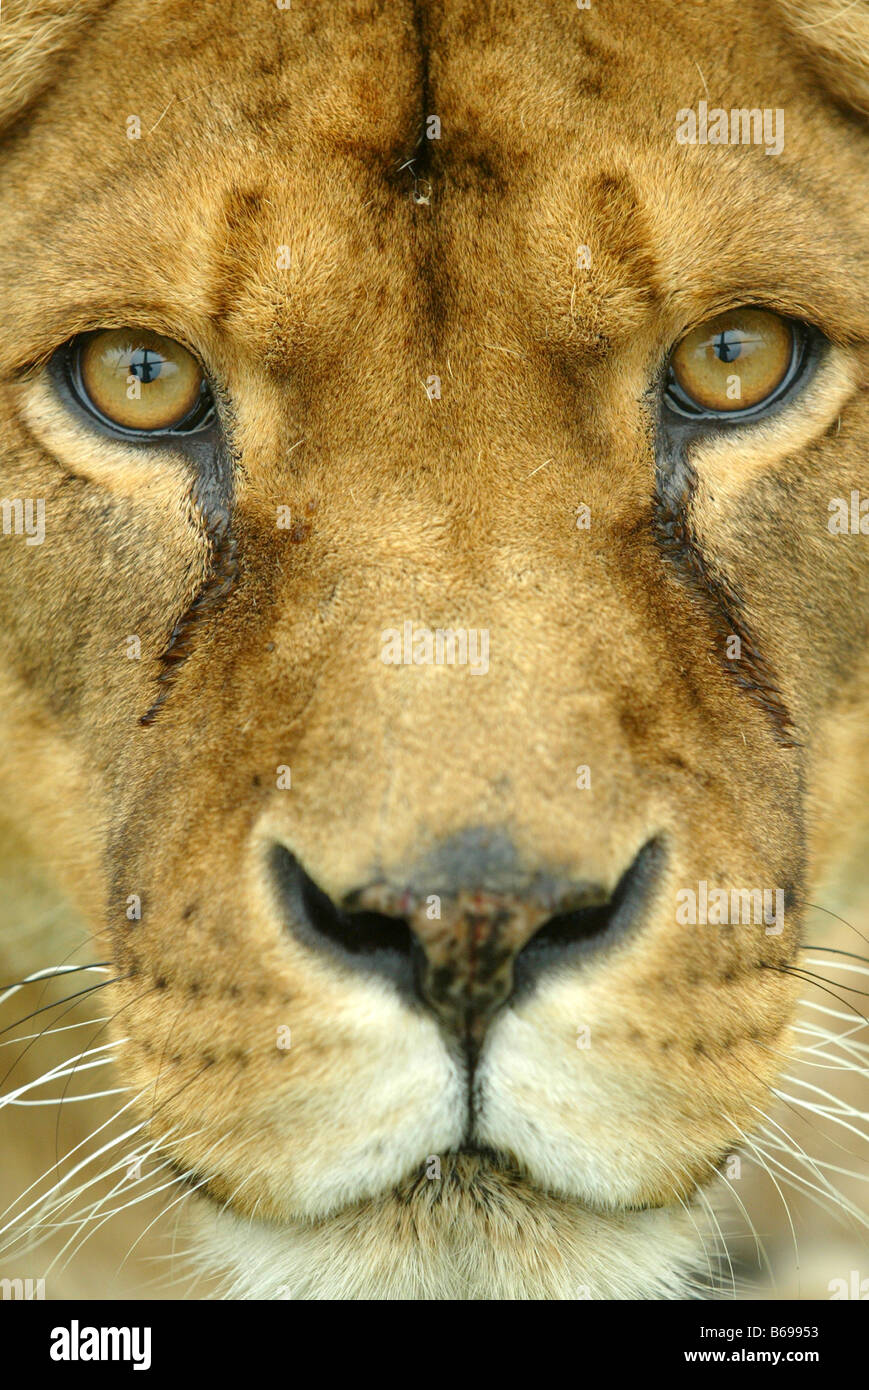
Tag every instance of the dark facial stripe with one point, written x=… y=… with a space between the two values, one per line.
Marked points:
x=212 y=500
x=723 y=605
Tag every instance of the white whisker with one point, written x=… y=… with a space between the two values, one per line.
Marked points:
x=771 y=1175
x=184 y=1195
x=73 y=1100
x=827 y=1197
x=56 y=1072
x=135 y=1129
x=833 y=1013
x=823 y=1111
x=51 y=971
x=759 y=1247
x=47 y=1032
x=708 y=1205
x=839 y=965
x=842 y=1107
x=95 y=1210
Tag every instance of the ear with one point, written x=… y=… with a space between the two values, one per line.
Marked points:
x=34 y=37
x=834 y=35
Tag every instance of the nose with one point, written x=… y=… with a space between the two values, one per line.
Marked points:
x=469 y=929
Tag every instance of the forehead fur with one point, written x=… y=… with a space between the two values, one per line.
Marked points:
x=307 y=129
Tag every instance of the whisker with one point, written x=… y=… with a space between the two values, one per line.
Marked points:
x=759 y=1248
x=787 y=1057
x=73 y=1100
x=56 y=1072
x=856 y=1059
x=705 y=1200
x=822 y=1111
x=829 y=1201
x=690 y=1216
x=111 y=1019
x=821 y=1163
x=849 y=925
x=184 y=1195
x=796 y=1150
x=841 y=1036
x=95 y=1211
x=91 y=989
x=834 y=1013
x=772 y=1177
x=55 y=1201
x=82 y=1164
x=800 y=972
x=841 y=965
x=80 y=1145
x=83 y=1232
x=47 y=1032
x=834 y=951
x=48 y=973
x=845 y=1109
x=813 y=980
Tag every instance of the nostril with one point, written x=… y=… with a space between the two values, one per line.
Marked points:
x=480 y=948
x=573 y=935
x=375 y=941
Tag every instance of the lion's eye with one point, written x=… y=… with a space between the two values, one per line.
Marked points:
x=738 y=362
x=139 y=381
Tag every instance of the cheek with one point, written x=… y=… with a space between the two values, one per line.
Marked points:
x=122 y=549
x=727 y=463
x=625 y=1090
x=300 y=1102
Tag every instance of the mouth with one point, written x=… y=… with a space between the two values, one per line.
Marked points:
x=470 y=1171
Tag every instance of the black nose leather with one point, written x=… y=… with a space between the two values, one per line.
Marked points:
x=464 y=950
x=465 y=972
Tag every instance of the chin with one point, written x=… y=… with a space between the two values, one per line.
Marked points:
x=480 y=1232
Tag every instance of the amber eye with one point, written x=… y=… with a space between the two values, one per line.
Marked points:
x=739 y=361
x=139 y=381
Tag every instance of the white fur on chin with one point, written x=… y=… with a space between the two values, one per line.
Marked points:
x=474 y=1233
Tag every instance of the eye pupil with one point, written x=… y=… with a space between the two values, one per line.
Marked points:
x=146 y=364
x=728 y=345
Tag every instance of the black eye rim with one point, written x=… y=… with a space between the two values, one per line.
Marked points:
x=201 y=417
x=806 y=346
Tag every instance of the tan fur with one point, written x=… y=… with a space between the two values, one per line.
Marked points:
x=263 y=129
x=835 y=39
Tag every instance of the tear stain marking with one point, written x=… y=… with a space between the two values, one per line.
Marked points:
x=218 y=585
x=723 y=605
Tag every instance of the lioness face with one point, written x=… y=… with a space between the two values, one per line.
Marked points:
x=412 y=646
